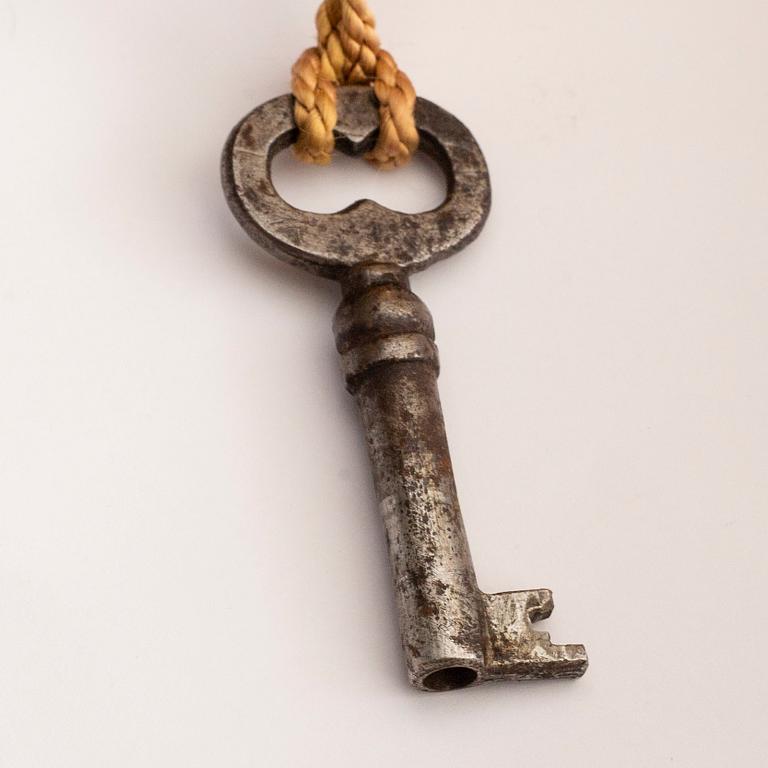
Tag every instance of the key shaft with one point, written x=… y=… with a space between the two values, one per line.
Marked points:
x=453 y=634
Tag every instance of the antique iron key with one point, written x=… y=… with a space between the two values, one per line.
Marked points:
x=453 y=634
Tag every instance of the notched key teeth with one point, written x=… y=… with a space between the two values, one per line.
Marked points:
x=515 y=650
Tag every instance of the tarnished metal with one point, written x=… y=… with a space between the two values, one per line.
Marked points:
x=453 y=634
x=329 y=244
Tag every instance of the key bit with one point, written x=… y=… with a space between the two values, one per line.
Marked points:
x=453 y=634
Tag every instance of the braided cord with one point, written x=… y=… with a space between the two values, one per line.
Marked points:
x=348 y=52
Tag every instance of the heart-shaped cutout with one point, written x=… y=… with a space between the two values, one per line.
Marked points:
x=419 y=186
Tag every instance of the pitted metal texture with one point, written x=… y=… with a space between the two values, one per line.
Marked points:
x=328 y=244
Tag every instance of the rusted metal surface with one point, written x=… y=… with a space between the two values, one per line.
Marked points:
x=366 y=232
x=454 y=635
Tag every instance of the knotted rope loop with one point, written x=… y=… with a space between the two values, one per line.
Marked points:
x=348 y=52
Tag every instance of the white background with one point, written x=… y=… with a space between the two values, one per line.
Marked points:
x=192 y=568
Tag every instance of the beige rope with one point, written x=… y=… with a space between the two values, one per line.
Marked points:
x=348 y=52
